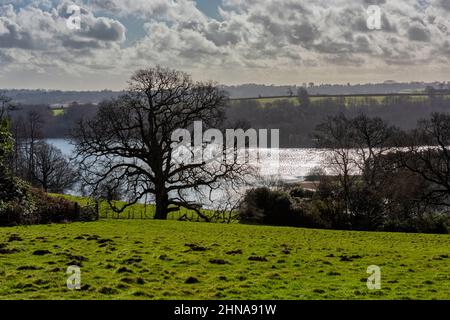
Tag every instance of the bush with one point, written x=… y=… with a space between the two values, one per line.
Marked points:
x=425 y=223
x=36 y=207
x=300 y=193
x=325 y=209
x=275 y=207
x=265 y=206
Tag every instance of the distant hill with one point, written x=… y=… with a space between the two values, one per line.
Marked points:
x=55 y=97
x=255 y=90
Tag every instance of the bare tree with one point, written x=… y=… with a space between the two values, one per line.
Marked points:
x=129 y=142
x=356 y=155
x=336 y=135
x=373 y=138
x=27 y=131
x=428 y=154
x=52 y=171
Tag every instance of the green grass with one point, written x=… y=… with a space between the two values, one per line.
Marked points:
x=146 y=259
x=58 y=112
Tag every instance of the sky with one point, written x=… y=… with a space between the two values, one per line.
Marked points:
x=280 y=42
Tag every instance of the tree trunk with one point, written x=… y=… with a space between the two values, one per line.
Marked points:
x=162 y=205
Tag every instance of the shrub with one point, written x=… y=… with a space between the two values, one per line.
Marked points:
x=276 y=207
x=300 y=193
x=264 y=206
x=33 y=206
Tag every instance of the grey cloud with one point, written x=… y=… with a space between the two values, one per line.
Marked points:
x=444 y=49
x=302 y=34
x=104 y=4
x=5 y=58
x=374 y=2
x=105 y=29
x=344 y=59
x=274 y=28
x=102 y=29
x=13 y=36
x=80 y=44
x=330 y=46
x=362 y=44
x=387 y=25
x=18 y=30
x=444 y=4
x=218 y=33
x=418 y=33
x=63 y=12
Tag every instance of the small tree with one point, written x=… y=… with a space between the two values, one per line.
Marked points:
x=336 y=135
x=52 y=171
x=303 y=97
x=5 y=105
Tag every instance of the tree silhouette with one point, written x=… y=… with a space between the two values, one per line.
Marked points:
x=129 y=143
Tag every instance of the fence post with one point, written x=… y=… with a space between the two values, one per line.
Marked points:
x=145 y=207
x=77 y=211
x=97 y=209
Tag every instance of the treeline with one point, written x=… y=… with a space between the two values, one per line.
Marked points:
x=54 y=97
x=296 y=118
x=379 y=178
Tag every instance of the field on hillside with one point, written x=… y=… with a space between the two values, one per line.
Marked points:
x=145 y=259
x=349 y=100
x=58 y=112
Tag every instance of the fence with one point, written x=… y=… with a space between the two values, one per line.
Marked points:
x=147 y=211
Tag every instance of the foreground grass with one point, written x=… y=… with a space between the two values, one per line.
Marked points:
x=144 y=259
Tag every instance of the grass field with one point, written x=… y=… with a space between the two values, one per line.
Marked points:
x=58 y=112
x=146 y=259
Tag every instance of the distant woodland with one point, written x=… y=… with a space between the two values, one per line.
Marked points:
x=296 y=118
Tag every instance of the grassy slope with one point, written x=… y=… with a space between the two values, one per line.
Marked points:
x=150 y=260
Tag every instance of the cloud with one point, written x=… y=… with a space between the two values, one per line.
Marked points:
x=12 y=35
x=444 y=4
x=35 y=29
x=105 y=29
x=250 y=37
x=418 y=33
